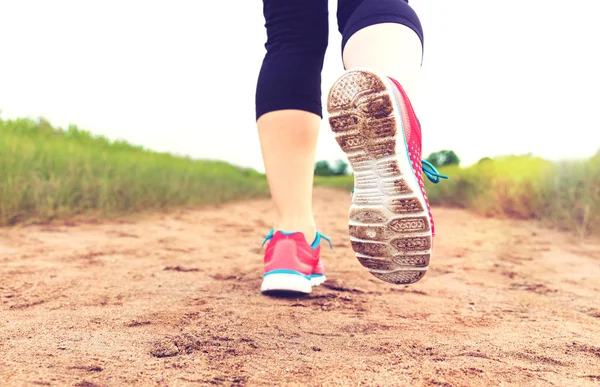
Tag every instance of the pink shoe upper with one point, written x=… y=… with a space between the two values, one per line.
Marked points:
x=290 y=253
x=412 y=132
x=319 y=268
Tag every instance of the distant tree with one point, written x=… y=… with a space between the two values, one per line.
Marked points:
x=323 y=168
x=443 y=158
x=484 y=160
x=341 y=168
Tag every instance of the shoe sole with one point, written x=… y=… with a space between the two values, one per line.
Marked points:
x=284 y=282
x=389 y=223
x=317 y=280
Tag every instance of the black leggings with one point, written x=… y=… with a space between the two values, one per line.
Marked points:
x=297 y=37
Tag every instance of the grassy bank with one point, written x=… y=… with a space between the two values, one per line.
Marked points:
x=565 y=195
x=47 y=172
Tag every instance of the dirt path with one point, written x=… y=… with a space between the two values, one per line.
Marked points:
x=174 y=301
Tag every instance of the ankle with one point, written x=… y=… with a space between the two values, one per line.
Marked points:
x=308 y=228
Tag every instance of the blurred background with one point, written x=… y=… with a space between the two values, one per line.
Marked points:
x=511 y=83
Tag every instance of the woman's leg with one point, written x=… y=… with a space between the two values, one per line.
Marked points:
x=383 y=35
x=288 y=106
x=390 y=224
x=391 y=49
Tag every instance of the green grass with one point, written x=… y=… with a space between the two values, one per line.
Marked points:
x=565 y=195
x=48 y=172
x=343 y=182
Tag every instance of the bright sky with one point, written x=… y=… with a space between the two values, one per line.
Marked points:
x=501 y=77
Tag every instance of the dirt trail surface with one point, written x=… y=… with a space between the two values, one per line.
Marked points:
x=173 y=300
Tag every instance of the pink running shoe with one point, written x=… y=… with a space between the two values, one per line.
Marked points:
x=390 y=222
x=291 y=264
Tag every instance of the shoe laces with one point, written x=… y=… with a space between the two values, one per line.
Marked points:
x=314 y=245
x=431 y=172
x=268 y=237
x=317 y=240
x=429 y=169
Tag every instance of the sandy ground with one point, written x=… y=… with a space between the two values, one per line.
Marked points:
x=173 y=300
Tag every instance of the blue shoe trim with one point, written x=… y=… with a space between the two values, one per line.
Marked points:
x=285 y=271
x=316 y=275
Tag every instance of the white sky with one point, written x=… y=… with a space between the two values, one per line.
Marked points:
x=498 y=77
